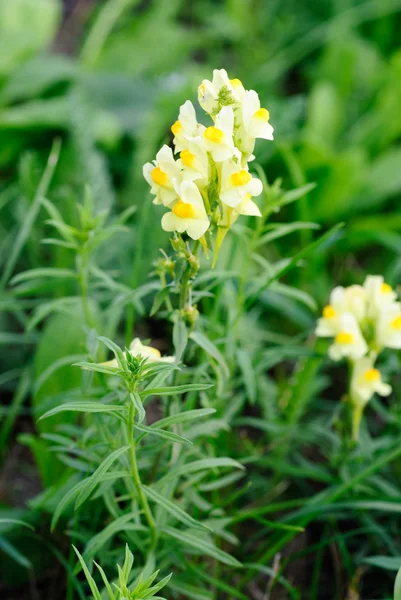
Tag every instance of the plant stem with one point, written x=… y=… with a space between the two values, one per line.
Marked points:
x=137 y=480
x=83 y=282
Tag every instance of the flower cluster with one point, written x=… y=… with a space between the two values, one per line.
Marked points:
x=210 y=183
x=362 y=320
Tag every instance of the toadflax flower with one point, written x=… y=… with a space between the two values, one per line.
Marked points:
x=218 y=138
x=363 y=320
x=188 y=213
x=137 y=349
x=161 y=175
x=237 y=183
x=186 y=127
x=365 y=381
x=213 y=159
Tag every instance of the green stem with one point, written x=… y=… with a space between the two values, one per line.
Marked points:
x=357 y=412
x=83 y=282
x=137 y=480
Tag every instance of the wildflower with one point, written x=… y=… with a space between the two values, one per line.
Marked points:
x=188 y=213
x=342 y=300
x=255 y=123
x=218 y=138
x=161 y=175
x=138 y=349
x=348 y=341
x=221 y=91
x=185 y=127
x=379 y=293
x=194 y=162
x=388 y=327
x=237 y=183
x=365 y=381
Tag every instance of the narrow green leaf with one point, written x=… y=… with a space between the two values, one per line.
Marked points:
x=176 y=389
x=13 y=553
x=91 y=581
x=81 y=406
x=183 y=417
x=397 y=586
x=203 y=342
x=43 y=272
x=173 y=509
x=137 y=402
x=180 y=339
x=202 y=465
x=203 y=546
x=120 y=524
x=92 y=482
x=16 y=522
x=160 y=297
x=98 y=367
x=166 y=435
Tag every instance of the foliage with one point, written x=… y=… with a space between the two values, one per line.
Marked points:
x=248 y=483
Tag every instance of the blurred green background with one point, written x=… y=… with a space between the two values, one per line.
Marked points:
x=108 y=78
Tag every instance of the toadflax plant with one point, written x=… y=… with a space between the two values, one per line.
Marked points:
x=147 y=468
x=363 y=321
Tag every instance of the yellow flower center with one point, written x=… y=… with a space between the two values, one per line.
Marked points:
x=213 y=134
x=236 y=82
x=184 y=210
x=201 y=89
x=329 y=312
x=371 y=375
x=343 y=337
x=176 y=128
x=262 y=114
x=187 y=158
x=159 y=176
x=396 y=323
x=386 y=288
x=240 y=178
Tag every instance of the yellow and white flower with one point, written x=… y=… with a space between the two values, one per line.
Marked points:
x=161 y=175
x=218 y=138
x=237 y=183
x=365 y=381
x=194 y=162
x=348 y=340
x=221 y=91
x=185 y=127
x=137 y=349
x=388 y=327
x=351 y=299
x=255 y=123
x=380 y=295
x=188 y=213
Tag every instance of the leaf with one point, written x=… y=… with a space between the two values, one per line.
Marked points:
x=120 y=524
x=118 y=353
x=203 y=342
x=202 y=465
x=16 y=522
x=137 y=402
x=397 y=586
x=92 y=481
x=283 y=230
x=203 y=546
x=173 y=509
x=97 y=367
x=166 y=435
x=183 y=417
x=93 y=587
x=248 y=373
x=328 y=237
x=13 y=553
x=390 y=563
x=180 y=339
x=33 y=211
x=82 y=406
x=177 y=389
x=160 y=297
x=43 y=272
